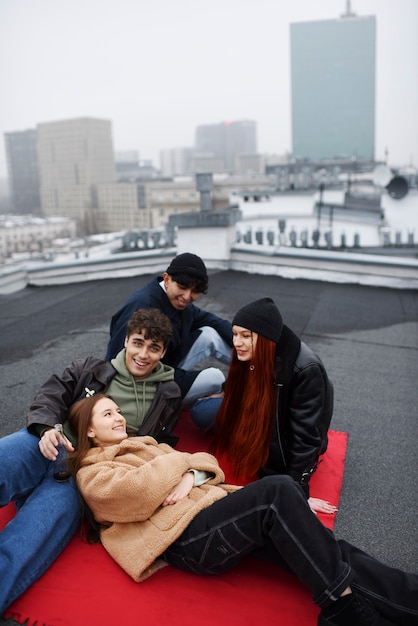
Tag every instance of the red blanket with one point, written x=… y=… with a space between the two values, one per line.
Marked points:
x=85 y=586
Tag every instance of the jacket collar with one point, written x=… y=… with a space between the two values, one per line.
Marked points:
x=288 y=348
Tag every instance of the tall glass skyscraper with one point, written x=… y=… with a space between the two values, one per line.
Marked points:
x=333 y=87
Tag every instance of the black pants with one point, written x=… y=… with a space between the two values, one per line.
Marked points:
x=271 y=519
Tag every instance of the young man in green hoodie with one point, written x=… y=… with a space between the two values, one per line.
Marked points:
x=48 y=512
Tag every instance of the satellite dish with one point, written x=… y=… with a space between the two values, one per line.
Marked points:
x=381 y=175
x=398 y=187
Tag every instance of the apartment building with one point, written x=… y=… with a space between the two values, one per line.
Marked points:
x=74 y=157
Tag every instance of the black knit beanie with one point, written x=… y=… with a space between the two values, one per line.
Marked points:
x=189 y=264
x=262 y=317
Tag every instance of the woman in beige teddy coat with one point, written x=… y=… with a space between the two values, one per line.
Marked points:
x=156 y=506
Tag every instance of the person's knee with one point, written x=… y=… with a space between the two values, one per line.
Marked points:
x=204 y=411
x=282 y=483
x=22 y=439
x=216 y=378
x=208 y=382
x=218 y=346
x=209 y=334
x=22 y=465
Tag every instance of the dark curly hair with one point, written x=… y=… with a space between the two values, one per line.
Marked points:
x=152 y=323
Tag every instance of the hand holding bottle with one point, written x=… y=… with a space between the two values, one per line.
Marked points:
x=62 y=469
x=48 y=444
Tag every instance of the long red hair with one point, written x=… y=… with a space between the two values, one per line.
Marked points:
x=245 y=417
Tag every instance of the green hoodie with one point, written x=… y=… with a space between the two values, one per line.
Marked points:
x=135 y=395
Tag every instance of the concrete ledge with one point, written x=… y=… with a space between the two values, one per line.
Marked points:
x=372 y=270
x=115 y=266
x=325 y=265
x=13 y=279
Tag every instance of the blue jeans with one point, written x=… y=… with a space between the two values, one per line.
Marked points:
x=207 y=343
x=48 y=514
x=270 y=519
x=209 y=380
x=203 y=412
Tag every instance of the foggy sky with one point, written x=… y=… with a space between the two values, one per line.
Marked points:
x=159 y=68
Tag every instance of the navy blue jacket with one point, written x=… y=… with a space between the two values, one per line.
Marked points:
x=185 y=326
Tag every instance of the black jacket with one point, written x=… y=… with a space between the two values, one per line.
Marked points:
x=92 y=375
x=303 y=413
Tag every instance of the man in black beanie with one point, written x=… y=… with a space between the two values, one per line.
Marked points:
x=197 y=334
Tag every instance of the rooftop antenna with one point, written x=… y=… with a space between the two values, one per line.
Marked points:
x=348 y=11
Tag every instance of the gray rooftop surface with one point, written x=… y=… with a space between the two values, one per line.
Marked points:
x=366 y=336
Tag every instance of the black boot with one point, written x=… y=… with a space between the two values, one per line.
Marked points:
x=352 y=610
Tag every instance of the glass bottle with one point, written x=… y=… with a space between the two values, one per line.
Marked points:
x=62 y=462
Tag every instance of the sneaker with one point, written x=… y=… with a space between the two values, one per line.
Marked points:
x=352 y=610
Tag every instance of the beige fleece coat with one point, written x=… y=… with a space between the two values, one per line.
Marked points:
x=125 y=484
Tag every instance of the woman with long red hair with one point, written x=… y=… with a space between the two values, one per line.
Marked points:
x=277 y=404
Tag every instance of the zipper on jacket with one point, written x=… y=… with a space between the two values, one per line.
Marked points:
x=279 y=386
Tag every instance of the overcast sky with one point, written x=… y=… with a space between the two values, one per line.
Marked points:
x=159 y=68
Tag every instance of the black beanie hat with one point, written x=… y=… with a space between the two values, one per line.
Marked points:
x=262 y=317
x=189 y=264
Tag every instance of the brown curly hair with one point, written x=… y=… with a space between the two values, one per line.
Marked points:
x=152 y=323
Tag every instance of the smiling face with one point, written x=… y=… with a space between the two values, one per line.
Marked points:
x=244 y=341
x=142 y=355
x=180 y=296
x=107 y=425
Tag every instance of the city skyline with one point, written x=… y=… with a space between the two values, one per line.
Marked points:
x=158 y=70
